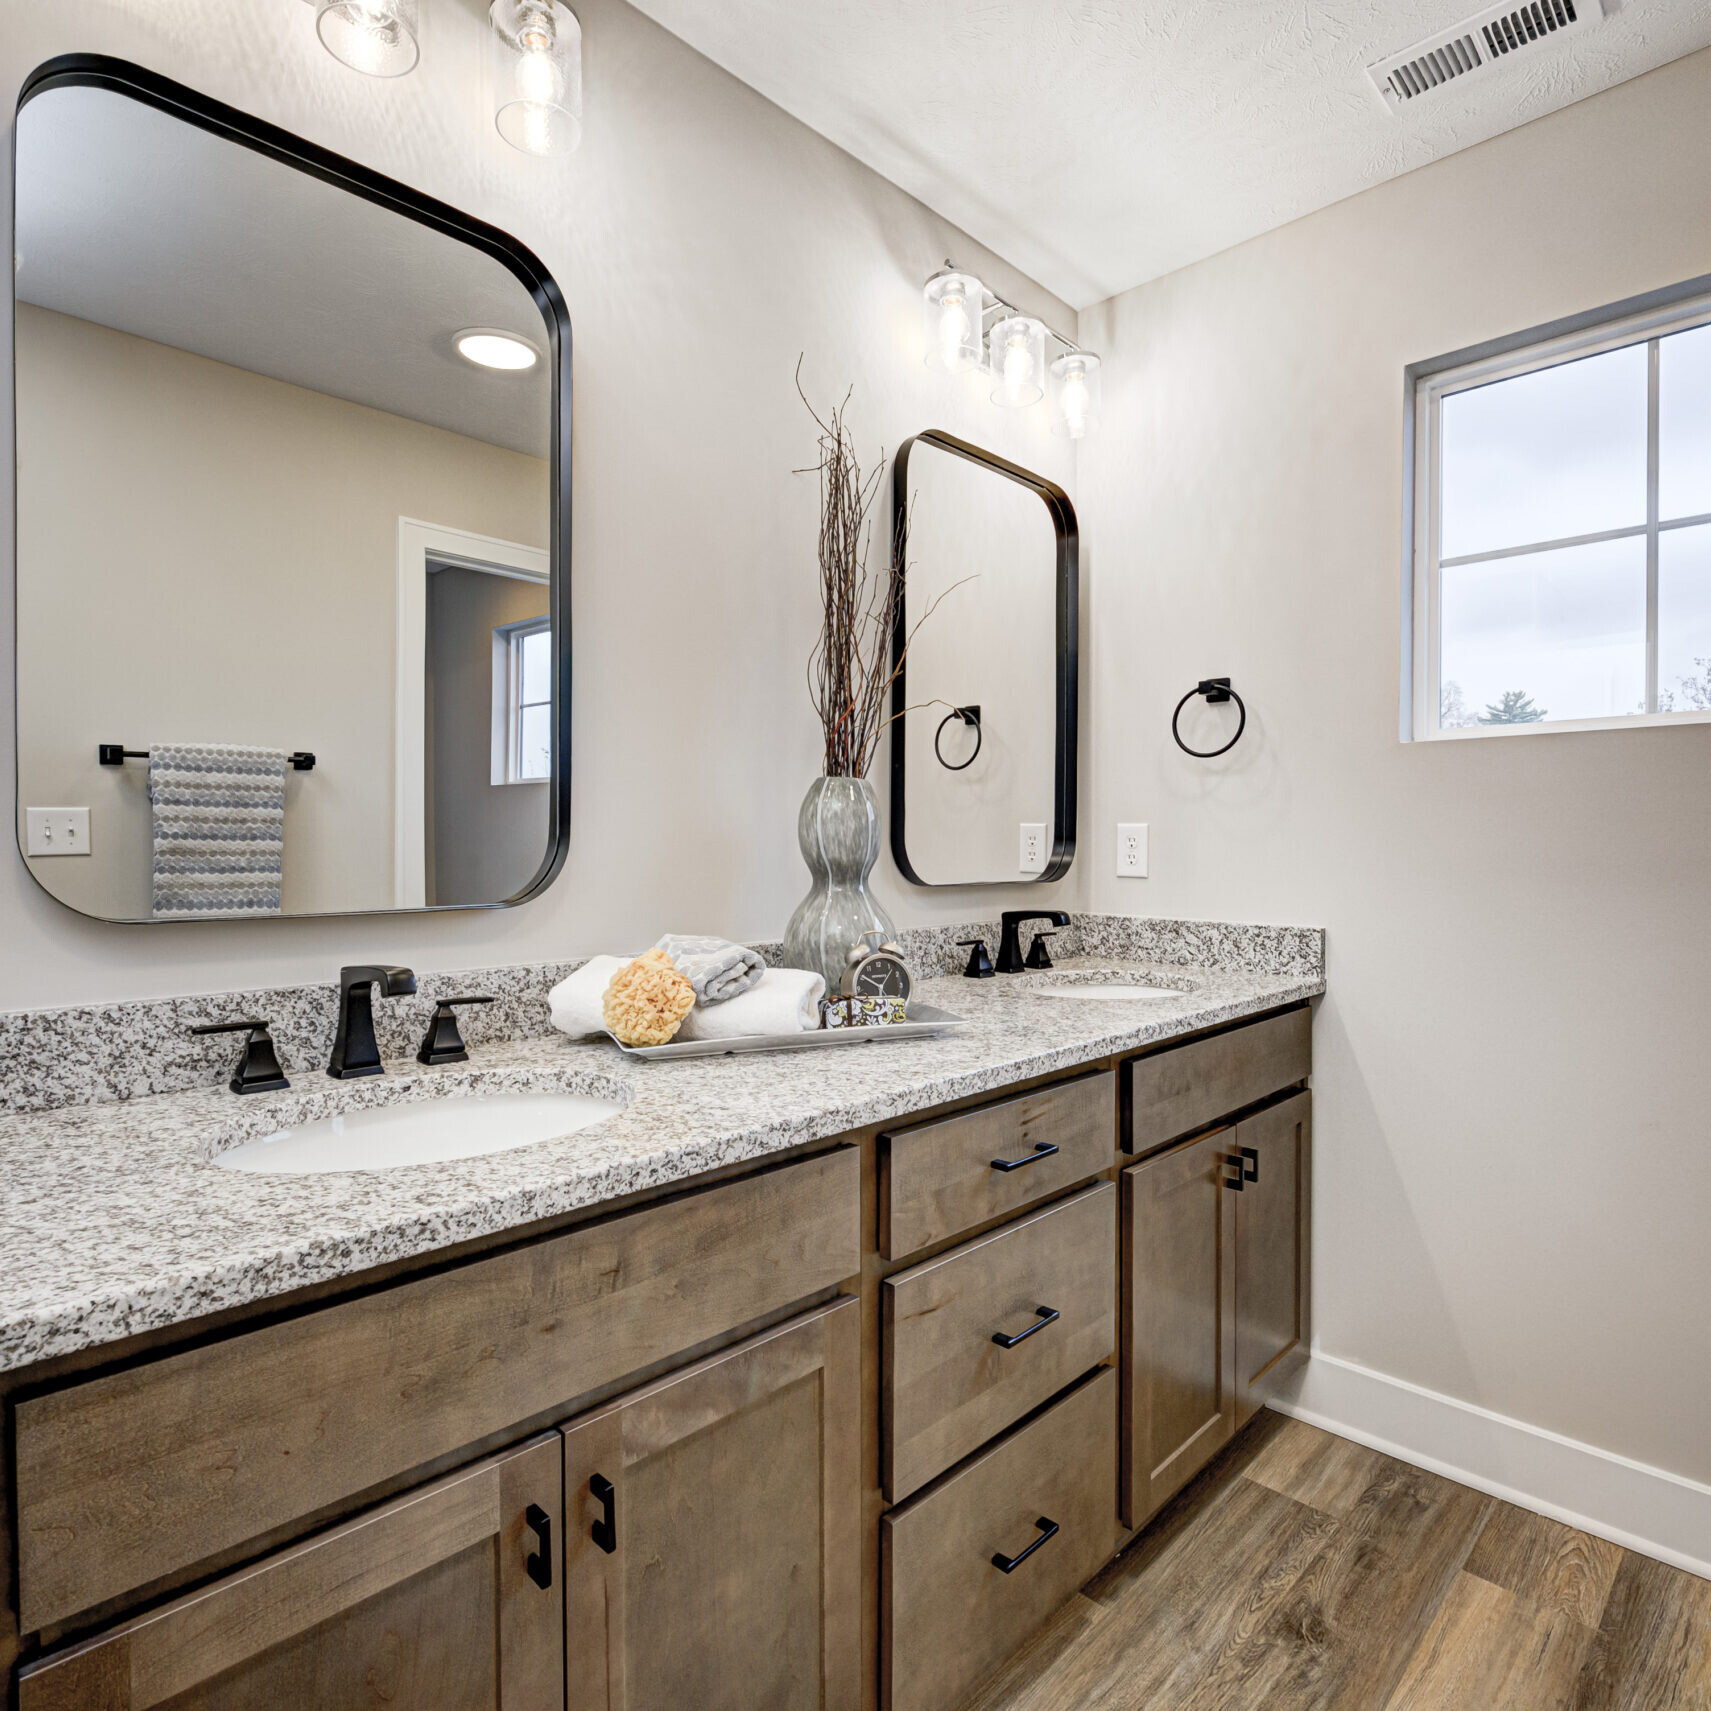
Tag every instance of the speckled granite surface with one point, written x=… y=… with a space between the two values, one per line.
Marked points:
x=115 y=1221
x=94 y=1053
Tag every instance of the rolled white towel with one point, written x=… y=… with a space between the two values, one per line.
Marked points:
x=575 y=1001
x=716 y=968
x=783 y=1001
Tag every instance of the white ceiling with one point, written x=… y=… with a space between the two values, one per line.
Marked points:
x=136 y=220
x=1099 y=143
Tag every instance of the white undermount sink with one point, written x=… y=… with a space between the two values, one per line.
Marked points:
x=1105 y=989
x=426 y=1131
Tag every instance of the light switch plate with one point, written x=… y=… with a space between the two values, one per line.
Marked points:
x=56 y=831
x=1132 y=852
x=1033 y=852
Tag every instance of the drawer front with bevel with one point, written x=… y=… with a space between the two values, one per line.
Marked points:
x=138 y=1475
x=980 y=1334
x=948 y=1176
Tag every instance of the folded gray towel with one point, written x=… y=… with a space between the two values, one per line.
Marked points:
x=716 y=968
x=219 y=830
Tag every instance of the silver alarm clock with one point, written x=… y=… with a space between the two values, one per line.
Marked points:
x=876 y=969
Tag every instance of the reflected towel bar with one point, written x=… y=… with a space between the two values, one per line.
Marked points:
x=116 y=754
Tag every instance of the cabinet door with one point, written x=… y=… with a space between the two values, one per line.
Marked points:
x=1272 y=1249
x=442 y=1600
x=712 y=1548
x=1179 y=1263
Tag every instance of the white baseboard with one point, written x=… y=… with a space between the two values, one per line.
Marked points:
x=1641 y=1508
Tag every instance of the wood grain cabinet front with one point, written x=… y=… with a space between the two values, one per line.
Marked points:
x=446 y=1599
x=145 y=1472
x=1216 y=1253
x=956 y=1173
x=979 y=1335
x=713 y=1531
x=976 y=1563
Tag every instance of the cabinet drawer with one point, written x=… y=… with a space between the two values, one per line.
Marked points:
x=951 y=1615
x=940 y=1178
x=1175 y=1091
x=948 y=1386
x=140 y=1474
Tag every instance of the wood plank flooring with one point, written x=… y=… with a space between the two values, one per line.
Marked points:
x=1302 y=1572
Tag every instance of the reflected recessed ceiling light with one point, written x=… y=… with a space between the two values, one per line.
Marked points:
x=490 y=349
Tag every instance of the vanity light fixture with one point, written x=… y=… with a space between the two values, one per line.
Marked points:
x=1011 y=350
x=536 y=58
x=487 y=347
x=377 y=37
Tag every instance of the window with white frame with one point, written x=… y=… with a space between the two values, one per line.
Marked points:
x=523 y=673
x=1562 y=540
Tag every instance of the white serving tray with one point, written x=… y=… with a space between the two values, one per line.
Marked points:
x=924 y=1022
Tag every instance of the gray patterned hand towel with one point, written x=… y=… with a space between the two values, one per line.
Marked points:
x=716 y=968
x=219 y=829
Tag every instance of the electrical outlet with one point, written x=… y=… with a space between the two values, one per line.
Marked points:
x=56 y=831
x=1033 y=848
x=1132 y=852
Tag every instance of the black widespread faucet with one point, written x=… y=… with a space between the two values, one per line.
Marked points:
x=1010 y=941
x=355 y=1050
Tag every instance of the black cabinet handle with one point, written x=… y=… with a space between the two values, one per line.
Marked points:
x=539 y=1563
x=1251 y=1154
x=1232 y=1162
x=1043 y=1149
x=604 y=1532
x=1046 y=1315
x=1008 y=1565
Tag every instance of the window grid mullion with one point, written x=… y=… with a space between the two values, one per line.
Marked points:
x=1653 y=364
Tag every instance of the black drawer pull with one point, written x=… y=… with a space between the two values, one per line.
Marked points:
x=604 y=1532
x=1008 y=1565
x=1251 y=1154
x=1046 y=1315
x=1229 y=1161
x=1044 y=1149
x=539 y=1563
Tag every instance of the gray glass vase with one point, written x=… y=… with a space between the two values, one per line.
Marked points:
x=838 y=829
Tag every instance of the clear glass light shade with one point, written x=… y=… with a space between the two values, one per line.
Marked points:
x=1075 y=395
x=951 y=305
x=537 y=75
x=1018 y=361
x=378 y=37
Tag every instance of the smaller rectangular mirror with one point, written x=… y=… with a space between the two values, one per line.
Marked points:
x=983 y=746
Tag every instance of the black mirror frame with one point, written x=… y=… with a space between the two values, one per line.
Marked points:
x=1068 y=688
x=99 y=71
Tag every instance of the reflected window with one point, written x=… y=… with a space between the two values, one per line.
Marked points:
x=1563 y=530
x=528 y=700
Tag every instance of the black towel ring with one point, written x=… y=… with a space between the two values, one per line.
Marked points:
x=1214 y=689
x=969 y=716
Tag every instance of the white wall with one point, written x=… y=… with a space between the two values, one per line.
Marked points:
x=1512 y=1173
x=702 y=239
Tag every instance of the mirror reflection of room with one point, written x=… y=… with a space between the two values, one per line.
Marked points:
x=282 y=544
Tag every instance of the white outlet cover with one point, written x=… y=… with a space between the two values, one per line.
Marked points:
x=1132 y=851
x=1032 y=855
x=56 y=831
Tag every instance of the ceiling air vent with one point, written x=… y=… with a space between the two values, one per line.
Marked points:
x=1496 y=33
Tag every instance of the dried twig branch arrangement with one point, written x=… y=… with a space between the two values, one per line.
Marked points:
x=851 y=670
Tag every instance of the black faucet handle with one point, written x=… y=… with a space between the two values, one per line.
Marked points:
x=443 y=1043
x=1010 y=939
x=1038 y=956
x=979 y=963
x=257 y=1068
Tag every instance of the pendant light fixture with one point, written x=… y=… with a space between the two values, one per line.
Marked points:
x=376 y=37
x=1011 y=351
x=536 y=58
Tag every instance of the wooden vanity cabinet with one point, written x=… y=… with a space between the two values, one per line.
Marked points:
x=445 y=1599
x=713 y=1531
x=1215 y=1256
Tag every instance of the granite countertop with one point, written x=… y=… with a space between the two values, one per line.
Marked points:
x=115 y=1221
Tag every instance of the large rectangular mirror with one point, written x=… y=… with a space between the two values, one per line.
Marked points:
x=983 y=748
x=293 y=523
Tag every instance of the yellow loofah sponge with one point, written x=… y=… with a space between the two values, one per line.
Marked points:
x=646 y=1000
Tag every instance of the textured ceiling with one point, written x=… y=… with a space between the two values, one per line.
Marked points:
x=1099 y=143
